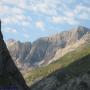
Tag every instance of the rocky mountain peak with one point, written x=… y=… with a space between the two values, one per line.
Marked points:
x=80 y=29
x=44 y=49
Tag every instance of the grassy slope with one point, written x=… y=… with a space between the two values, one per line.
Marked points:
x=61 y=63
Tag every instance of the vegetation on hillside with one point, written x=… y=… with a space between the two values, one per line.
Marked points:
x=63 y=62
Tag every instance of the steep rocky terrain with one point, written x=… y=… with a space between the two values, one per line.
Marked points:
x=19 y=52
x=47 y=49
x=10 y=77
x=73 y=72
x=64 y=57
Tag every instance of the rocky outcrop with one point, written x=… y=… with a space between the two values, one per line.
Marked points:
x=10 y=77
x=75 y=76
x=77 y=83
x=19 y=52
x=47 y=49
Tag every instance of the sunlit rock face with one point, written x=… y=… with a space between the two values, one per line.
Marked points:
x=10 y=77
x=19 y=52
x=45 y=50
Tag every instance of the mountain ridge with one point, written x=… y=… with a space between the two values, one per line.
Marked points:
x=45 y=49
x=71 y=66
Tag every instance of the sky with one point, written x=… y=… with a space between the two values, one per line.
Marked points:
x=27 y=20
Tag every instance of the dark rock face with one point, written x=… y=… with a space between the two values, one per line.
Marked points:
x=52 y=83
x=66 y=78
x=10 y=77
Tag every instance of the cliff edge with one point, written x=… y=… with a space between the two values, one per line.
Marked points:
x=10 y=77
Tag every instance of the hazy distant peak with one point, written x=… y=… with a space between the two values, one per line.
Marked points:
x=80 y=29
x=11 y=40
x=45 y=48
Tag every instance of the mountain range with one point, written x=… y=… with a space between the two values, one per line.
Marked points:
x=46 y=50
x=71 y=72
x=57 y=62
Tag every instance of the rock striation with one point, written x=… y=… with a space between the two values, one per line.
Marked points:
x=45 y=50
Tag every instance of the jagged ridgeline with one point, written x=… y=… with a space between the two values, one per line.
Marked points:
x=10 y=77
x=45 y=50
x=70 y=72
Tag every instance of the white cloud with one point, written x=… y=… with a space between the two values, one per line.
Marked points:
x=7 y=10
x=71 y=1
x=60 y=11
x=26 y=23
x=47 y=7
x=71 y=21
x=64 y=19
x=16 y=10
x=9 y=30
x=40 y=24
x=82 y=12
x=69 y=13
x=10 y=1
x=57 y=19
x=9 y=20
x=84 y=16
x=19 y=19
x=54 y=8
x=73 y=16
x=18 y=3
x=4 y=9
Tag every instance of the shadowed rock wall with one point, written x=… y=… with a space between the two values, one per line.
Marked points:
x=10 y=77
